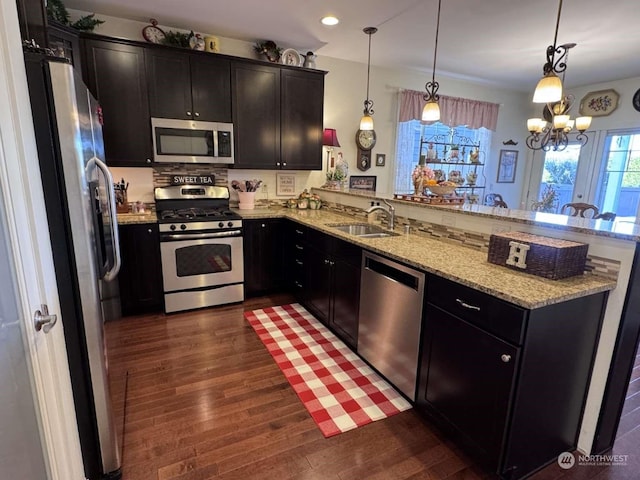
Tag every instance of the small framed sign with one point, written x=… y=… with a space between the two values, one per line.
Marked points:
x=192 y=180
x=507 y=166
x=380 y=159
x=362 y=182
x=285 y=183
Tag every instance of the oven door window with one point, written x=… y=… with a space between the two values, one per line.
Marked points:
x=176 y=141
x=203 y=259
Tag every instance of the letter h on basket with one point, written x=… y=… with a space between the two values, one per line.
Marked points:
x=518 y=254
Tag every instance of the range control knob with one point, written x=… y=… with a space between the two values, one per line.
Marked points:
x=221 y=224
x=229 y=224
x=172 y=227
x=183 y=227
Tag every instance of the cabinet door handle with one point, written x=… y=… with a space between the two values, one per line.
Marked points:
x=298 y=262
x=148 y=160
x=505 y=358
x=150 y=231
x=284 y=164
x=299 y=232
x=299 y=247
x=277 y=164
x=263 y=225
x=196 y=114
x=327 y=262
x=298 y=284
x=188 y=114
x=332 y=263
x=464 y=304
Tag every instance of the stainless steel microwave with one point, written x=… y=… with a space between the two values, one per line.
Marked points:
x=191 y=141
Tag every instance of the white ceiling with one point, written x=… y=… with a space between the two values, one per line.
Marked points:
x=497 y=41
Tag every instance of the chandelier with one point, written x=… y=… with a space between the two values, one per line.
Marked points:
x=431 y=111
x=551 y=132
x=366 y=122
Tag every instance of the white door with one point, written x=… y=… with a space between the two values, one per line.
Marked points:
x=39 y=437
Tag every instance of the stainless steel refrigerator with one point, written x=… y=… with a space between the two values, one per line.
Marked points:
x=81 y=213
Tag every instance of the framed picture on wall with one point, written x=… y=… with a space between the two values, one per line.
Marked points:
x=507 y=166
x=362 y=182
x=285 y=183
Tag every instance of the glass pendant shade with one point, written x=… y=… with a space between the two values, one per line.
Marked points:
x=560 y=121
x=533 y=124
x=548 y=90
x=582 y=123
x=431 y=112
x=366 y=122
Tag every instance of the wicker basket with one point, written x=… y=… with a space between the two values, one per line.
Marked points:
x=547 y=257
x=441 y=189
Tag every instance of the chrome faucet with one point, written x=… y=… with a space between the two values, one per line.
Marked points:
x=391 y=213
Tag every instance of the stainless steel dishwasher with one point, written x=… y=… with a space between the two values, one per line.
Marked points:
x=391 y=297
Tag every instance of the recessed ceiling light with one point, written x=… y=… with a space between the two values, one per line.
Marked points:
x=329 y=20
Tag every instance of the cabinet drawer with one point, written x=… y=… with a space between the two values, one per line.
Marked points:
x=492 y=314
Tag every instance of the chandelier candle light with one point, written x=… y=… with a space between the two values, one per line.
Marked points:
x=431 y=111
x=366 y=122
x=550 y=135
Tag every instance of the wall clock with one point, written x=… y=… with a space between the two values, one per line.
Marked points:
x=636 y=100
x=153 y=33
x=364 y=159
x=366 y=139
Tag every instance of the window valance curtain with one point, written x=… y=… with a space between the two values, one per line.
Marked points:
x=454 y=111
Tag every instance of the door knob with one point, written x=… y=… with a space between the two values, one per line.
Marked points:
x=42 y=320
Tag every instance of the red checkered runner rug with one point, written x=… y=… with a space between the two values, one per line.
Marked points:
x=339 y=390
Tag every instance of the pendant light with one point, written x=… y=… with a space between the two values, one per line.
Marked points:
x=431 y=111
x=549 y=88
x=366 y=122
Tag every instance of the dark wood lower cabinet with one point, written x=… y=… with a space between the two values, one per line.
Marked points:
x=508 y=383
x=263 y=256
x=331 y=282
x=140 y=277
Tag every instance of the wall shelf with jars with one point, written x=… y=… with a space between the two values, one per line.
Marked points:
x=456 y=159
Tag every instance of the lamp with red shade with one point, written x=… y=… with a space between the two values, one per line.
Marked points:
x=330 y=140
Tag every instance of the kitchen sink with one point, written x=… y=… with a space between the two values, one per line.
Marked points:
x=362 y=230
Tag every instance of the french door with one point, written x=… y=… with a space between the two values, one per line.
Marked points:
x=618 y=187
x=559 y=177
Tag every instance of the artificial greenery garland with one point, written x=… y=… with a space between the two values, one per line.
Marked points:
x=57 y=11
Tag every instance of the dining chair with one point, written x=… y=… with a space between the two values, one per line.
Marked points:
x=495 y=200
x=579 y=209
x=605 y=216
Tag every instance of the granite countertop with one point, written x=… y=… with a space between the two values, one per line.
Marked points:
x=454 y=262
x=622 y=229
x=131 y=218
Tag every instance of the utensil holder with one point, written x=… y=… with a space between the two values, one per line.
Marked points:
x=247 y=200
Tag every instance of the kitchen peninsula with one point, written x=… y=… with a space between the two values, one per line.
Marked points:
x=452 y=242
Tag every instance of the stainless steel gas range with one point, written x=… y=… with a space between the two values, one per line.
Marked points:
x=201 y=247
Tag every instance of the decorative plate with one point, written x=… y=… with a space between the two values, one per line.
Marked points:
x=600 y=103
x=291 y=57
x=636 y=100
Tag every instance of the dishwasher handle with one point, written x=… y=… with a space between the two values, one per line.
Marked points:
x=394 y=272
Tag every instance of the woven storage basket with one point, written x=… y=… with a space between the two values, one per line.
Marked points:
x=547 y=257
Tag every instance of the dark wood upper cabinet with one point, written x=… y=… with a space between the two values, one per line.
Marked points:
x=256 y=115
x=301 y=120
x=188 y=86
x=32 y=17
x=65 y=40
x=115 y=74
x=211 y=87
x=277 y=117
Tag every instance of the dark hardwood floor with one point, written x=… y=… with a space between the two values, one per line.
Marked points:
x=206 y=401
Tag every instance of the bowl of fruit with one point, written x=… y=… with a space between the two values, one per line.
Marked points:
x=442 y=188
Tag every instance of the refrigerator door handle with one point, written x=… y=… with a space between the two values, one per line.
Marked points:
x=115 y=241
